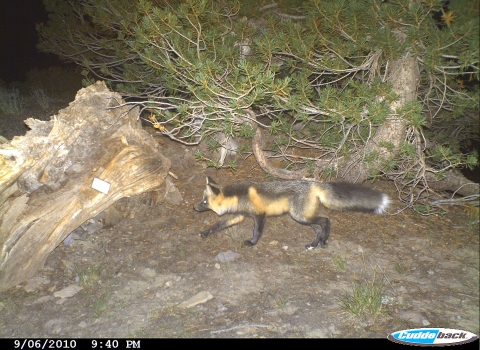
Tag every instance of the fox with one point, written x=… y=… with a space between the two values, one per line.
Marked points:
x=307 y=202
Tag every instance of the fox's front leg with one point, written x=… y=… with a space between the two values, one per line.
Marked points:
x=222 y=224
x=258 y=225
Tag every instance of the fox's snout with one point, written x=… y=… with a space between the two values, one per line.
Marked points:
x=201 y=206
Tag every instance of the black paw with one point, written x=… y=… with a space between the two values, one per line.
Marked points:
x=312 y=246
x=309 y=246
x=204 y=234
x=249 y=243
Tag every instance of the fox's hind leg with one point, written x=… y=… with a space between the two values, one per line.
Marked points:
x=321 y=225
x=322 y=231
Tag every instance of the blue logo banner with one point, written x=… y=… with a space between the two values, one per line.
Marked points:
x=432 y=336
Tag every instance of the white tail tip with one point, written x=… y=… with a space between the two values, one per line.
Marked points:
x=382 y=207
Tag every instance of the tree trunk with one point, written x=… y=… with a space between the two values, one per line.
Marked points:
x=46 y=176
x=404 y=77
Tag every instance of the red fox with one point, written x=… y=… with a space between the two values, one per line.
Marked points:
x=302 y=199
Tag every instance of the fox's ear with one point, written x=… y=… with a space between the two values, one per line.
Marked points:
x=212 y=187
x=210 y=181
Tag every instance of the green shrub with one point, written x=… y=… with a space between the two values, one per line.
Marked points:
x=11 y=102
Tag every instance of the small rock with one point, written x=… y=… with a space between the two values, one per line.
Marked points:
x=67 y=241
x=386 y=299
x=68 y=292
x=221 y=308
x=273 y=242
x=172 y=194
x=43 y=299
x=425 y=322
x=148 y=273
x=226 y=256
x=199 y=298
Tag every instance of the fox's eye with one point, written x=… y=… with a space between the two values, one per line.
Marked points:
x=204 y=201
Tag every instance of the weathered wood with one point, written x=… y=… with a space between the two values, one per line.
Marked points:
x=46 y=176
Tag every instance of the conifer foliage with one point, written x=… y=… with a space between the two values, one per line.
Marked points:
x=352 y=88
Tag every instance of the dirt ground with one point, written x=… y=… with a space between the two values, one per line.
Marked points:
x=130 y=280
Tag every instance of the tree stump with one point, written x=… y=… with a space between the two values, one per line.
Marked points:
x=46 y=176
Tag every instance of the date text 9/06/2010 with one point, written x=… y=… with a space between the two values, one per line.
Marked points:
x=74 y=343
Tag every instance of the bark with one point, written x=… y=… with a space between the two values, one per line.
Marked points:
x=46 y=176
x=404 y=76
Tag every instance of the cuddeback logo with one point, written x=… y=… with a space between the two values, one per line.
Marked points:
x=432 y=337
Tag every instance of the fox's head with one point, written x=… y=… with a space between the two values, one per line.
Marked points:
x=210 y=201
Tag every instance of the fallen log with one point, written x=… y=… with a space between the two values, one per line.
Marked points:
x=46 y=176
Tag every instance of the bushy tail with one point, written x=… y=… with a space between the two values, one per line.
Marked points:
x=349 y=196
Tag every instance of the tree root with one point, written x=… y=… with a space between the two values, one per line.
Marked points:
x=262 y=160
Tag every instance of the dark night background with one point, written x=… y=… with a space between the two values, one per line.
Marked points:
x=18 y=39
